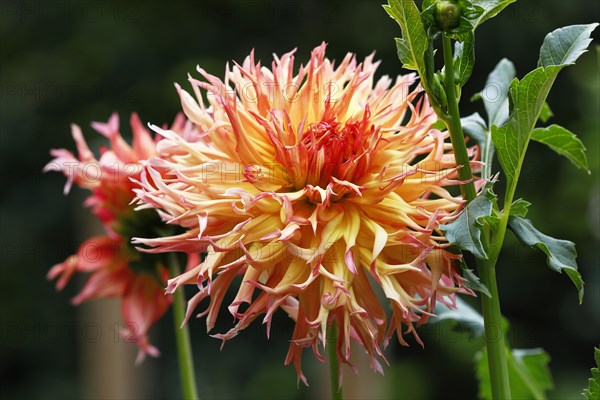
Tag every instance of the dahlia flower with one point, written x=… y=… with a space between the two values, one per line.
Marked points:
x=116 y=269
x=322 y=188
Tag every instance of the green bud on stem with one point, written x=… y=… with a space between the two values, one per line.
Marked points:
x=447 y=15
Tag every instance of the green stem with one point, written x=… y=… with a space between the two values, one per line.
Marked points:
x=452 y=121
x=332 y=338
x=494 y=335
x=182 y=335
x=493 y=332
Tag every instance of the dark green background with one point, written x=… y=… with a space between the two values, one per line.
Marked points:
x=67 y=61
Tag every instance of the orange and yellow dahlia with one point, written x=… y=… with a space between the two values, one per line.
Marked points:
x=323 y=188
x=116 y=269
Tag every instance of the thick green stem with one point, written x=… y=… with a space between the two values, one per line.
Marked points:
x=182 y=335
x=452 y=121
x=494 y=335
x=332 y=338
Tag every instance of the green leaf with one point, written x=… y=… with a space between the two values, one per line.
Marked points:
x=474 y=126
x=531 y=366
x=564 y=46
x=495 y=93
x=528 y=374
x=465 y=231
x=439 y=125
x=464 y=58
x=404 y=54
x=414 y=42
x=519 y=208
x=561 y=253
x=464 y=317
x=493 y=220
x=593 y=391
x=546 y=113
x=528 y=96
x=413 y=47
x=495 y=100
x=473 y=282
x=491 y=8
x=564 y=142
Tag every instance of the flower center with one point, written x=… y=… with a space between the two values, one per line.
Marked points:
x=339 y=150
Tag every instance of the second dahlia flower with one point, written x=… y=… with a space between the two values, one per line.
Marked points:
x=115 y=268
x=322 y=188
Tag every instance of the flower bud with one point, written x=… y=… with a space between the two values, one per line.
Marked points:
x=447 y=15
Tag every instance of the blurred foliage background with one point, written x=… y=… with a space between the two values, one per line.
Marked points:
x=71 y=61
